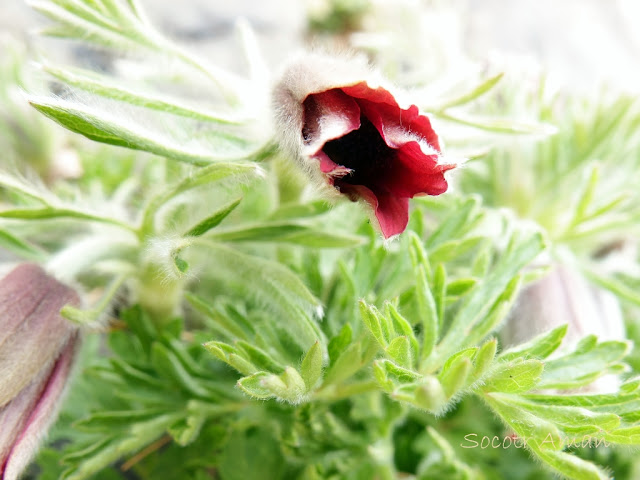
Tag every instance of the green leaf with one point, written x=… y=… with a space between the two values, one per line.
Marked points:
x=484 y=359
x=611 y=283
x=277 y=289
x=311 y=367
x=399 y=350
x=169 y=366
x=454 y=376
x=496 y=314
x=92 y=315
x=233 y=329
x=230 y=172
x=427 y=394
x=99 y=25
x=540 y=434
x=48 y=213
x=295 y=386
x=187 y=429
x=314 y=238
x=258 y=233
x=472 y=95
x=540 y=347
x=425 y=300
x=576 y=420
x=513 y=377
x=289 y=386
x=22 y=188
x=339 y=343
x=213 y=220
x=452 y=249
x=296 y=210
x=440 y=289
x=498 y=125
x=418 y=253
x=257 y=386
x=253 y=453
x=374 y=322
x=118 y=419
x=287 y=233
x=20 y=247
x=140 y=435
x=181 y=265
x=104 y=127
x=428 y=313
x=460 y=286
x=443 y=461
x=481 y=263
x=583 y=365
x=572 y=466
x=348 y=363
x=586 y=196
x=105 y=87
x=258 y=357
x=619 y=403
x=461 y=219
x=479 y=303
x=229 y=355
x=400 y=374
x=403 y=327
x=468 y=353
x=380 y=374
x=122 y=25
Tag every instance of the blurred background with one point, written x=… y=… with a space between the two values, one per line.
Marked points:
x=582 y=42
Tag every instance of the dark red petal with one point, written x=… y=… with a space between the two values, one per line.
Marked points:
x=326 y=164
x=327 y=116
x=414 y=173
x=392 y=214
x=391 y=115
x=331 y=169
x=365 y=92
x=421 y=125
x=404 y=165
x=391 y=211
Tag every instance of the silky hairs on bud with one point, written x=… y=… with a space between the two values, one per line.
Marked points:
x=306 y=73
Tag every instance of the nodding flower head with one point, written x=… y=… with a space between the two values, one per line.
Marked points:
x=353 y=135
x=37 y=348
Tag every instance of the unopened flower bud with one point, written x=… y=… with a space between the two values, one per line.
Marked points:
x=564 y=296
x=37 y=348
x=350 y=133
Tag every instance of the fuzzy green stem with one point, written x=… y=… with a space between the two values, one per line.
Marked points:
x=159 y=293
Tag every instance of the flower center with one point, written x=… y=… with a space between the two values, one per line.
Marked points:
x=363 y=151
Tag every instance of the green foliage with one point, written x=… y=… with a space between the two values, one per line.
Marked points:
x=240 y=327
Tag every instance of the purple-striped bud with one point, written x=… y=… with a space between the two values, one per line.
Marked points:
x=37 y=348
x=565 y=296
x=352 y=135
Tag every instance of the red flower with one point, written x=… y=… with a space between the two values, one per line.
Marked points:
x=364 y=143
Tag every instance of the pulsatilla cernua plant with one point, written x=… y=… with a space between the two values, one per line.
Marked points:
x=236 y=325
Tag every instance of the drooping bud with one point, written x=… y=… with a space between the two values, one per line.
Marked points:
x=351 y=134
x=37 y=348
x=564 y=296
